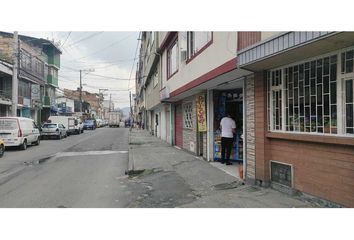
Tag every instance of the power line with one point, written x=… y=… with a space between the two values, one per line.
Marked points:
x=66 y=39
x=102 y=49
x=85 y=38
x=136 y=51
x=108 y=77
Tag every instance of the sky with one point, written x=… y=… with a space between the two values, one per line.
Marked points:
x=110 y=54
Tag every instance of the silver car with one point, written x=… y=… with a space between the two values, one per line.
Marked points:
x=53 y=130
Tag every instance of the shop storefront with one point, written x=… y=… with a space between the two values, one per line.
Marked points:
x=228 y=101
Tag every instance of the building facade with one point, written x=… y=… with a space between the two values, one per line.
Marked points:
x=291 y=94
x=304 y=112
x=38 y=65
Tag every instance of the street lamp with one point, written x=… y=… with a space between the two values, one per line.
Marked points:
x=85 y=71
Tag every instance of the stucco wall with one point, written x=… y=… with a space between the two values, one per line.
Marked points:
x=222 y=50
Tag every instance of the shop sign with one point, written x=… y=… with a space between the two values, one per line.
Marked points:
x=35 y=92
x=201 y=113
x=26 y=102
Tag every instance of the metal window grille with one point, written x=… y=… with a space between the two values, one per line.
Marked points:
x=187 y=115
x=310 y=90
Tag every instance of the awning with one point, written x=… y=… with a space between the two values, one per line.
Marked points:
x=292 y=47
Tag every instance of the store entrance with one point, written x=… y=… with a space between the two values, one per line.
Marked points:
x=230 y=101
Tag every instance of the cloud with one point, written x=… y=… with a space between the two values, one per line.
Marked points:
x=111 y=54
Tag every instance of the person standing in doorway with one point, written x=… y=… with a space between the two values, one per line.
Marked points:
x=228 y=129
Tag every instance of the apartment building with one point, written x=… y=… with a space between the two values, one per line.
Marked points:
x=291 y=94
x=304 y=112
x=39 y=62
x=187 y=81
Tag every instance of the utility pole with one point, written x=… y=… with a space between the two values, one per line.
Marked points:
x=80 y=93
x=14 y=76
x=85 y=71
x=110 y=102
x=131 y=111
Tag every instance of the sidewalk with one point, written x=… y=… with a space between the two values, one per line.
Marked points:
x=176 y=178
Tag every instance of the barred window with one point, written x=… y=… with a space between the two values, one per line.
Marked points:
x=348 y=84
x=275 y=83
x=187 y=115
x=307 y=95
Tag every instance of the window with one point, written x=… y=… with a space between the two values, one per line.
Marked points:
x=348 y=84
x=172 y=59
x=187 y=115
x=38 y=67
x=303 y=97
x=196 y=41
x=275 y=80
x=349 y=106
x=26 y=61
x=24 y=89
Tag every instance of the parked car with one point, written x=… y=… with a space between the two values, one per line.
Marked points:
x=72 y=124
x=2 y=147
x=99 y=123
x=19 y=131
x=89 y=124
x=55 y=130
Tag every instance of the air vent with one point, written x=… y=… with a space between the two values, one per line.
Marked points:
x=281 y=173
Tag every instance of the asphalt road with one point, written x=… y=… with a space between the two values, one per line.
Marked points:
x=86 y=170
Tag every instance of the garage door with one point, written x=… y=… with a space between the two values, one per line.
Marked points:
x=179 y=126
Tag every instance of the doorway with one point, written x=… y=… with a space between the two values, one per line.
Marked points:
x=231 y=101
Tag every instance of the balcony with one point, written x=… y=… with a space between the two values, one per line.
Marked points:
x=46 y=101
x=54 y=59
x=52 y=80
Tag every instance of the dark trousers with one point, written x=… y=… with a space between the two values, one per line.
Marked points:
x=226 y=146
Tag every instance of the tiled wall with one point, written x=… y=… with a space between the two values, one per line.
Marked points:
x=250 y=119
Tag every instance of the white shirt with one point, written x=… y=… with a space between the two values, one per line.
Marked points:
x=227 y=124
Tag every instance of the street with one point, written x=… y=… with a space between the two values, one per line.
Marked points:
x=79 y=171
x=89 y=171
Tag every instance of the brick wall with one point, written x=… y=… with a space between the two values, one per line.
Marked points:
x=205 y=143
x=250 y=131
x=245 y=39
x=323 y=169
x=190 y=135
x=6 y=50
x=262 y=143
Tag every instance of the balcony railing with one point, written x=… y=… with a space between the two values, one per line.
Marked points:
x=46 y=101
x=52 y=80
x=6 y=95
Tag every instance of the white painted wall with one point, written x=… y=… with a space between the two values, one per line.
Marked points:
x=69 y=102
x=163 y=122
x=222 y=50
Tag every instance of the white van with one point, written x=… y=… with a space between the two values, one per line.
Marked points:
x=71 y=124
x=19 y=131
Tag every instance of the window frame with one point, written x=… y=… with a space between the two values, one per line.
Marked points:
x=340 y=96
x=185 y=106
x=344 y=76
x=168 y=60
x=193 y=54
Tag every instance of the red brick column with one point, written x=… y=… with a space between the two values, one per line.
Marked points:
x=262 y=143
